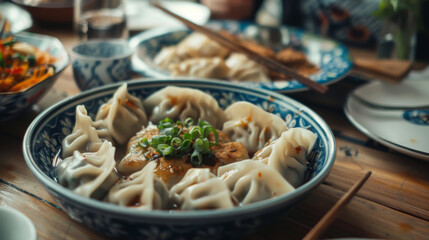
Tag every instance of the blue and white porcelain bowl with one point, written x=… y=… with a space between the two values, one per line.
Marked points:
x=332 y=58
x=13 y=103
x=43 y=139
x=99 y=62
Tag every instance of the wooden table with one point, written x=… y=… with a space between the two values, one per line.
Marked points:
x=393 y=204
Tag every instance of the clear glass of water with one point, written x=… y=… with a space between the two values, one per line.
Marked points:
x=100 y=19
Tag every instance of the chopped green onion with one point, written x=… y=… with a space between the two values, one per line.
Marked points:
x=198 y=145
x=195 y=132
x=172 y=143
x=207 y=130
x=206 y=145
x=187 y=136
x=1 y=60
x=185 y=145
x=164 y=149
x=11 y=42
x=202 y=123
x=143 y=142
x=31 y=60
x=162 y=139
x=189 y=122
x=166 y=120
x=171 y=131
x=196 y=158
x=176 y=143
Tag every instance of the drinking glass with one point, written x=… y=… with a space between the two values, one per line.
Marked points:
x=100 y=19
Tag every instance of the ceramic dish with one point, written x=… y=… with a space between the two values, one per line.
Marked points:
x=332 y=58
x=45 y=134
x=405 y=130
x=99 y=62
x=14 y=225
x=12 y=103
x=19 y=18
x=142 y=16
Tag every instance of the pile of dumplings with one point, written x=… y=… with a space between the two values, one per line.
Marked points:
x=199 y=56
x=89 y=168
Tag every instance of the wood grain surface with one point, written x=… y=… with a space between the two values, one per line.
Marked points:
x=393 y=204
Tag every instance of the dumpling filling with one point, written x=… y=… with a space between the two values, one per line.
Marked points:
x=172 y=166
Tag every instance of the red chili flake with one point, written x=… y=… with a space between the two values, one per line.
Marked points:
x=130 y=104
x=298 y=149
x=15 y=71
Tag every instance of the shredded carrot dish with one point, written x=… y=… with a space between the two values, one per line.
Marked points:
x=22 y=65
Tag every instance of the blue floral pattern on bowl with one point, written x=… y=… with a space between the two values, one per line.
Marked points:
x=419 y=117
x=43 y=141
x=96 y=63
x=333 y=58
x=11 y=104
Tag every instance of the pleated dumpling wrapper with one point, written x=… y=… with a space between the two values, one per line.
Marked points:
x=142 y=190
x=89 y=174
x=123 y=115
x=180 y=103
x=252 y=126
x=252 y=181
x=201 y=189
x=288 y=154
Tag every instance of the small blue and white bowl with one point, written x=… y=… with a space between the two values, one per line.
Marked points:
x=99 y=62
x=43 y=139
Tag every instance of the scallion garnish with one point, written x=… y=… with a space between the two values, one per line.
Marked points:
x=9 y=43
x=176 y=139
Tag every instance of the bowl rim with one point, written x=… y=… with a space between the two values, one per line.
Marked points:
x=57 y=70
x=190 y=216
x=124 y=43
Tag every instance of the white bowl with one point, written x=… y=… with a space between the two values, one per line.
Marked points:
x=14 y=225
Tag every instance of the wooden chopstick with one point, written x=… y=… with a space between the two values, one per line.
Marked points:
x=329 y=217
x=267 y=62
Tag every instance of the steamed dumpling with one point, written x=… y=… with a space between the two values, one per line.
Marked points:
x=166 y=56
x=288 y=154
x=199 y=45
x=252 y=181
x=243 y=69
x=89 y=174
x=180 y=103
x=142 y=190
x=134 y=159
x=87 y=136
x=123 y=115
x=201 y=189
x=201 y=68
x=252 y=126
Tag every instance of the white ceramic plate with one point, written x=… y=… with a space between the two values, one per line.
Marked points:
x=406 y=131
x=142 y=16
x=18 y=17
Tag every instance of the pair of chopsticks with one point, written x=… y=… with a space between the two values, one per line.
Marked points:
x=330 y=216
x=267 y=62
